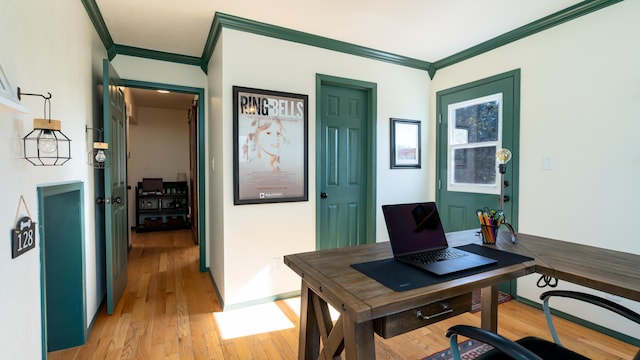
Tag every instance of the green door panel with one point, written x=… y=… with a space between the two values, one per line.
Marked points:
x=344 y=118
x=63 y=265
x=115 y=194
x=458 y=208
x=344 y=159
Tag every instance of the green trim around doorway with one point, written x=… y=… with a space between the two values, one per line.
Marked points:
x=202 y=240
x=372 y=91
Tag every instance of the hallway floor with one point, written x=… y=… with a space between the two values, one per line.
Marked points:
x=168 y=311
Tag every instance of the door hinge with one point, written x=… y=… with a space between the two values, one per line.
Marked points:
x=440 y=118
x=439 y=184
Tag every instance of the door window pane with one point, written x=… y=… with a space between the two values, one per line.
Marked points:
x=477 y=123
x=475 y=128
x=475 y=165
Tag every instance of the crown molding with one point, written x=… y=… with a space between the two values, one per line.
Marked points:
x=221 y=21
x=156 y=55
x=210 y=44
x=547 y=22
x=98 y=23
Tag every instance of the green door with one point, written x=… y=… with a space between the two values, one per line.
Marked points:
x=474 y=121
x=62 y=265
x=115 y=194
x=344 y=159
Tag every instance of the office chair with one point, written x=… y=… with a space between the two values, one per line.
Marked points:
x=533 y=348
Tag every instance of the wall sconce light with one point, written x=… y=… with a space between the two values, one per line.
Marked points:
x=504 y=156
x=46 y=145
x=99 y=155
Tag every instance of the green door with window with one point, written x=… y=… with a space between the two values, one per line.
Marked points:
x=473 y=122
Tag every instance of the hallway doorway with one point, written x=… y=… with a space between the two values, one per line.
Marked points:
x=165 y=135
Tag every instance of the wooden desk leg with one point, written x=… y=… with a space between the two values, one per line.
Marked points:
x=489 y=316
x=309 y=336
x=358 y=340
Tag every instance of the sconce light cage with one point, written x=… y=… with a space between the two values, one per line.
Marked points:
x=99 y=156
x=46 y=145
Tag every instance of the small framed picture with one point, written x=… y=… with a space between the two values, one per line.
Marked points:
x=405 y=144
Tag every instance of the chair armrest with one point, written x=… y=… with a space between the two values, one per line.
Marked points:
x=596 y=300
x=499 y=342
x=588 y=298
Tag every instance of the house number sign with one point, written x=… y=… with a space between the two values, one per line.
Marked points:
x=23 y=237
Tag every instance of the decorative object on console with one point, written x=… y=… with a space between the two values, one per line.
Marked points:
x=46 y=144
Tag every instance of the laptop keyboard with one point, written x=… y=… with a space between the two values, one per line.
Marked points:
x=437 y=255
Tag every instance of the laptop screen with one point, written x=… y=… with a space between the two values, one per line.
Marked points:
x=414 y=227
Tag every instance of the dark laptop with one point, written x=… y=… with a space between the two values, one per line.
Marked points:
x=417 y=238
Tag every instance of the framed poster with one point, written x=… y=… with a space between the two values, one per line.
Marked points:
x=269 y=146
x=405 y=144
x=9 y=100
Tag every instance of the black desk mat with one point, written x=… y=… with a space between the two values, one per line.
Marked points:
x=401 y=277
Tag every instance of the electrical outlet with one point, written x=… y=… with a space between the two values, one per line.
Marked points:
x=276 y=263
x=547 y=162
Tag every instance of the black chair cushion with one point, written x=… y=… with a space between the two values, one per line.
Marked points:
x=543 y=348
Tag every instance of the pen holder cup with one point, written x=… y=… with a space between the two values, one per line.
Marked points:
x=489 y=234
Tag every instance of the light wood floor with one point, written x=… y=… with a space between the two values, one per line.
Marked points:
x=170 y=311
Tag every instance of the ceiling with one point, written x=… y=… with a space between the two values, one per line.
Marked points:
x=155 y=99
x=425 y=30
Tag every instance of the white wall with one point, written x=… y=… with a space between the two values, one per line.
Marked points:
x=156 y=71
x=214 y=168
x=46 y=47
x=256 y=237
x=579 y=96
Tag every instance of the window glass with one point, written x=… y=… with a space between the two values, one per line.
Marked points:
x=475 y=165
x=474 y=137
x=477 y=123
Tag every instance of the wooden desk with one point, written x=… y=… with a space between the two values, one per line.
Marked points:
x=606 y=270
x=327 y=278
